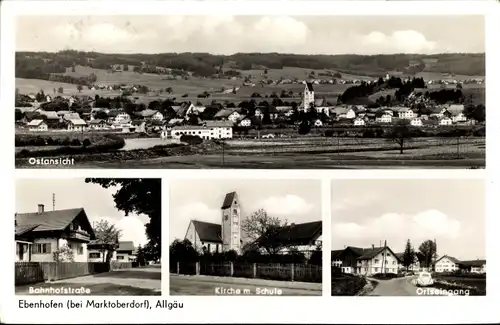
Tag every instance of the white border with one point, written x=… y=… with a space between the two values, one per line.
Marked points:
x=309 y=310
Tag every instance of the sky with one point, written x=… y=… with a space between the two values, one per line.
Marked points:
x=75 y=193
x=296 y=201
x=232 y=34
x=366 y=212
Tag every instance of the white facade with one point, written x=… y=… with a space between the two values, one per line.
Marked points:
x=77 y=125
x=406 y=113
x=157 y=116
x=323 y=109
x=416 y=122
x=43 y=249
x=445 y=121
x=37 y=126
x=122 y=118
x=445 y=264
x=234 y=117
x=386 y=118
x=349 y=114
x=460 y=117
x=318 y=123
x=207 y=132
x=246 y=122
x=200 y=246
x=478 y=269
x=308 y=97
x=359 y=122
x=383 y=262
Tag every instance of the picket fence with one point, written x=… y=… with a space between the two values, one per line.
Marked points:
x=34 y=272
x=271 y=271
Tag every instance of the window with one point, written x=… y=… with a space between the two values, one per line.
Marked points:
x=393 y=262
x=376 y=261
x=226 y=217
x=94 y=255
x=42 y=248
x=386 y=262
x=119 y=257
x=376 y=269
x=80 y=250
x=208 y=247
x=235 y=211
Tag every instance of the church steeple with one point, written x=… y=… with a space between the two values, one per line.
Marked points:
x=231 y=223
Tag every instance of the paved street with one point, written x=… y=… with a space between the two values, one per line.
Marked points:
x=395 y=287
x=212 y=285
x=137 y=281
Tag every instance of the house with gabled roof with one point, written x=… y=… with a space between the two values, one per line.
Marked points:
x=40 y=234
x=366 y=261
x=126 y=251
x=37 y=126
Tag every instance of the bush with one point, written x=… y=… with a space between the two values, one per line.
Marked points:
x=86 y=142
x=191 y=139
x=347 y=285
x=385 y=276
x=75 y=142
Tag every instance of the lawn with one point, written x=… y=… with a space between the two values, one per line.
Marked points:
x=347 y=285
x=477 y=284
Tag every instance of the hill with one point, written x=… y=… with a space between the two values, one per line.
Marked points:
x=39 y=65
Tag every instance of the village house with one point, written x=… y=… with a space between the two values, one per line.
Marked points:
x=77 y=125
x=322 y=106
x=416 y=122
x=37 y=126
x=384 y=118
x=457 y=113
x=318 y=123
x=150 y=114
x=405 y=113
x=126 y=252
x=359 y=122
x=262 y=110
x=208 y=130
x=41 y=234
x=473 y=266
x=123 y=251
x=365 y=261
x=98 y=124
x=246 y=122
x=342 y=112
x=446 y=264
x=445 y=121
x=139 y=126
x=234 y=116
x=439 y=112
x=415 y=266
x=195 y=109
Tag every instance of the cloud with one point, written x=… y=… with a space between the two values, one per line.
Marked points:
x=397 y=228
x=285 y=205
x=353 y=201
x=401 y=41
x=133 y=229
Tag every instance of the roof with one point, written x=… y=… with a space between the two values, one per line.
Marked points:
x=35 y=122
x=207 y=231
x=125 y=246
x=297 y=234
x=49 y=220
x=147 y=112
x=224 y=113
x=175 y=120
x=337 y=254
x=228 y=200
x=223 y=124
x=456 y=109
x=97 y=121
x=50 y=115
x=320 y=102
x=138 y=122
x=473 y=263
x=71 y=116
x=451 y=258
x=309 y=86
x=369 y=253
x=21 y=230
x=77 y=122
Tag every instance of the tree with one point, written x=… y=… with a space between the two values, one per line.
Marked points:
x=108 y=236
x=40 y=97
x=169 y=90
x=408 y=255
x=304 y=127
x=141 y=260
x=262 y=229
x=316 y=257
x=138 y=196
x=401 y=134
x=182 y=251
x=428 y=253
x=18 y=115
x=79 y=88
x=60 y=90
x=63 y=254
x=125 y=67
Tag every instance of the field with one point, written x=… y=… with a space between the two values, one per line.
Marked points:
x=479 y=284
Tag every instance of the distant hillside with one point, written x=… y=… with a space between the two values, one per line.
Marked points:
x=38 y=65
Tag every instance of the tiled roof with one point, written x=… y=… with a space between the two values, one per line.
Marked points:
x=125 y=246
x=297 y=234
x=207 y=231
x=451 y=258
x=35 y=122
x=228 y=200
x=309 y=86
x=473 y=263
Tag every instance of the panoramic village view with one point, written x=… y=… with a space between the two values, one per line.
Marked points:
x=398 y=246
x=229 y=239
x=205 y=102
x=69 y=244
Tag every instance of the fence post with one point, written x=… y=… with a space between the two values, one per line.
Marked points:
x=232 y=268
x=293 y=271
x=197 y=268
x=254 y=270
x=178 y=267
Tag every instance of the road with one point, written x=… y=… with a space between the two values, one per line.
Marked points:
x=144 y=281
x=397 y=287
x=211 y=285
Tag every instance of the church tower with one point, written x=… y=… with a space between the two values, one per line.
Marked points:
x=231 y=223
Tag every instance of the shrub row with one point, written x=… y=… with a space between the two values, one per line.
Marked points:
x=40 y=141
x=114 y=143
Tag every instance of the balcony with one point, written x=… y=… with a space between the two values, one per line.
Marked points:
x=81 y=235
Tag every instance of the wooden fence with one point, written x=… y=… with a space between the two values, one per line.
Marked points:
x=271 y=271
x=33 y=272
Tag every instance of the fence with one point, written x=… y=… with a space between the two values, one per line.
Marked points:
x=271 y=271
x=33 y=272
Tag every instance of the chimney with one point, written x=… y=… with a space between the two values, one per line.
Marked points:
x=40 y=208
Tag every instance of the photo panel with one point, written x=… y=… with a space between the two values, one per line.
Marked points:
x=245 y=237
x=188 y=99
x=408 y=237
x=88 y=236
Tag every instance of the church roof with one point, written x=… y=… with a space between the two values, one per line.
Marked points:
x=309 y=86
x=207 y=231
x=228 y=200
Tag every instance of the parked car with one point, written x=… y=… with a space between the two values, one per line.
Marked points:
x=424 y=279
